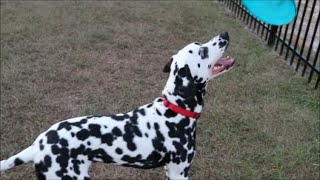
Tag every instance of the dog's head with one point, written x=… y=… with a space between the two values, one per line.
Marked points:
x=194 y=65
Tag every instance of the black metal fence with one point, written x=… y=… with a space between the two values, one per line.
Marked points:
x=298 y=42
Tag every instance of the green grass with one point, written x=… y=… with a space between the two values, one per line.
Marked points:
x=67 y=59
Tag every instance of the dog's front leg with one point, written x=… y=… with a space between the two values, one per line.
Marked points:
x=176 y=171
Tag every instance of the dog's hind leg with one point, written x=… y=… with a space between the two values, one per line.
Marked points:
x=177 y=171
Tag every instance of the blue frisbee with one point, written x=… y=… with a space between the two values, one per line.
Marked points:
x=274 y=12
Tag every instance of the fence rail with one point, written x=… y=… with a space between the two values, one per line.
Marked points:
x=298 y=42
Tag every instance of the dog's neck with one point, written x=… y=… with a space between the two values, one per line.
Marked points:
x=194 y=103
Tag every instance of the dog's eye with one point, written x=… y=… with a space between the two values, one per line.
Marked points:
x=203 y=52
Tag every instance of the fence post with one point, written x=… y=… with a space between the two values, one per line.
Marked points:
x=272 y=36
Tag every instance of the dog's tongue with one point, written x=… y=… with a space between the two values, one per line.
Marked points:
x=227 y=60
x=223 y=63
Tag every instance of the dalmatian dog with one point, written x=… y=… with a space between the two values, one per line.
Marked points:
x=161 y=133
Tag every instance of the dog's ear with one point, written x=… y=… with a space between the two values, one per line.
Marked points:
x=167 y=68
x=184 y=83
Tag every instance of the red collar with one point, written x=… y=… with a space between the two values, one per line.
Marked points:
x=180 y=110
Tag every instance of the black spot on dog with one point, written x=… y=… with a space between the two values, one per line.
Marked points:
x=197 y=43
x=149 y=105
x=159 y=100
x=88 y=143
x=158 y=142
x=185 y=91
x=60 y=173
x=142 y=112
x=55 y=149
x=119 y=151
x=41 y=146
x=198 y=65
x=18 y=162
x=130 y=159
x=146 y=134
x=175 y=158
x=199 y=80
x=148 y=125
x=63 y=142
x=169 y=113
x=129 y=135
x=63 y=160
x=182 y=72
x=158 y=112
x=74 y=152
x=94 y=130
x=43 y=166
x=107 y=138
x=134 y=117
x=40 y=175
x=67 y=177
x=99 y=154
x=83 y=134
x=209 y=66
x=94 y=116
x=67 y=125
x=52 y=136
x=120 y=117
x=183 y=123
x=191 y=141
x=203 y=52
x=190 y=157
x=195 y=78
x=222 y=44
x=116 y=131
x=177 y=130
x=76 y=163
x=180 y=150
x=47 y=163
x=191 y=103
x=137 y=131
x=154 y=157
x=180 y=103
x=190 y=51
x=214 y=44
x=156 y=126
x=186 y=171
x=176 y=68
x=72 y=134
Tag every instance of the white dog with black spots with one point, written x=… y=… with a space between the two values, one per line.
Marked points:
x=161 y=133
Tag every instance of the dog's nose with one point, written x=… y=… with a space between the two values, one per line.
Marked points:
x=224 y=35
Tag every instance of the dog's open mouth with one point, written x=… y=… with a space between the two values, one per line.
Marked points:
x=222 y=64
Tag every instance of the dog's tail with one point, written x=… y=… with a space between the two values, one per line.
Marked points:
x=24 y=156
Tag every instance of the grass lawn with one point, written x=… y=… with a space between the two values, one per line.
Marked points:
x=67 y=59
